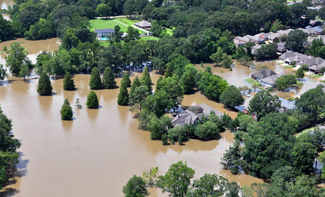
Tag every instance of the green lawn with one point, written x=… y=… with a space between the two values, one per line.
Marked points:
x=106 y=24
x=289 y=66
x=304 y=131
x=316 y=76
x=127 y=21
x=252 y=81
x=104 y=43
x=169 y=31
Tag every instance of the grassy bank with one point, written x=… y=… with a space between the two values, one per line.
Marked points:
x=252 y=81
x=104 y=43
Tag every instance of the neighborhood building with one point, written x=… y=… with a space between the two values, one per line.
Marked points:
x=286 y=105
x=143 y=24
x=103 y=33
x=317 y=29
x=266 y=77
x=293 y=57
x=317 y=68
x=190 y=117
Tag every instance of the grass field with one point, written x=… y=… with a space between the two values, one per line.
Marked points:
x=127 y=21
x=252 y=81
x=306 y=130
x=169 y=31
x=106 y=24
x=104 y=43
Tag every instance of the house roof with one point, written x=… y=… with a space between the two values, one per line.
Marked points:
x=288 y=54
x=254 y=48
x=287 y=104
x=104 y=30
x=143 y=24
x=270 y=79
x=317 y=67
x=318 y=29
x=189 y=117
x=262 y=74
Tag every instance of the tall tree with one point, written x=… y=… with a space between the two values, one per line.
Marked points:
x=217 y=57
x=108 y=79
x=24 y=71
x=231 y=97
x=146 y=80
x=66 y=110
x=312 y=102
x=104 y=10
x=168 y=71
x=136 y=83
x=300 y=73
x=92 y=100
x=135 y=187
x=296 y=40
x=95 y=82
x=123 y=96
x=188 y=82
x=263 y=103
x=226 y=60
x=137 y=98
x=177 y=179
x=126 y=79
x=44 y=85
x=68 y=82
x=16 y=57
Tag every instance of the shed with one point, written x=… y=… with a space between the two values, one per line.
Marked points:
x=143 y=24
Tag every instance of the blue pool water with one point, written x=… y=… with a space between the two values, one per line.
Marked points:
x=103 y=38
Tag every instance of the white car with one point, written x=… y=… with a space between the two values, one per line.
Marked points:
x=247 y=95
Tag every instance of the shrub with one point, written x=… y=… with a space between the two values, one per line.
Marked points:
x=92 y=100
x=66 y=111
x=44 y=85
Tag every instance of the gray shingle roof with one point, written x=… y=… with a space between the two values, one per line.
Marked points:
x=104 y=30
x=143 y=24
x=262 y=74
x=270 y=79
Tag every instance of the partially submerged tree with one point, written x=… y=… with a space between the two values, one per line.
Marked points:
x=95 y=82
x=66 y=110
x=92 y=100
x=68 y=82
x=108 y=78
x=123 y=96
x=44 y=85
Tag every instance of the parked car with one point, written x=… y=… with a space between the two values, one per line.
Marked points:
x=247 y=95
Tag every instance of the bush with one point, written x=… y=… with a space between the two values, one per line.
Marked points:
x=92 y=100
x=230 y=69
x=270 y=89
x=164 y=139
x=95 y=83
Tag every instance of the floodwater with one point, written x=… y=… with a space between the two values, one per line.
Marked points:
x=5 y=3
x=33 y=47
x=97 y=152
x=240 y=73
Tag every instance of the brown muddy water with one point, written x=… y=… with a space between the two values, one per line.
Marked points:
x=97 y=152
x=240 y=73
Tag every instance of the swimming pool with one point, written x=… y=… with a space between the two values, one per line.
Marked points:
x=103 y=38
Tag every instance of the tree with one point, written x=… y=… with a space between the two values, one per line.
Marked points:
x=263 y=103
x=68 y=82
x=207 y=131
x=3 y=73
x=209 y=185
x=95 y=82
x=245 y=121
x=146 y=80
x=108 y=79
x=226 y=60
x=92 y=100
x=168 y=71
x=285 y=81
x=312 y=102
x=126 y=79
x=300 y=73
x=157 y=29
x=277 y=25
x=44 y=85
x=24 y=71
x=174 y=91
x=16 y=57
x=123 y=96
x=176 y=180
x=104 y=10
x=158 y=127
x=135 y=187
x=188 y=82
x=137 y=98
x=136 y=83
x=66 y=110
x=231 y=97
x=296 y=40
x=132 y=34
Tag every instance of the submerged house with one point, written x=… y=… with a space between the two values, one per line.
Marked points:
x=103 y=33
x=191 y=117
x=266 y=76
x=292 y=57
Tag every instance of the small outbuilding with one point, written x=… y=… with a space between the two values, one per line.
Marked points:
x=143 y=24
